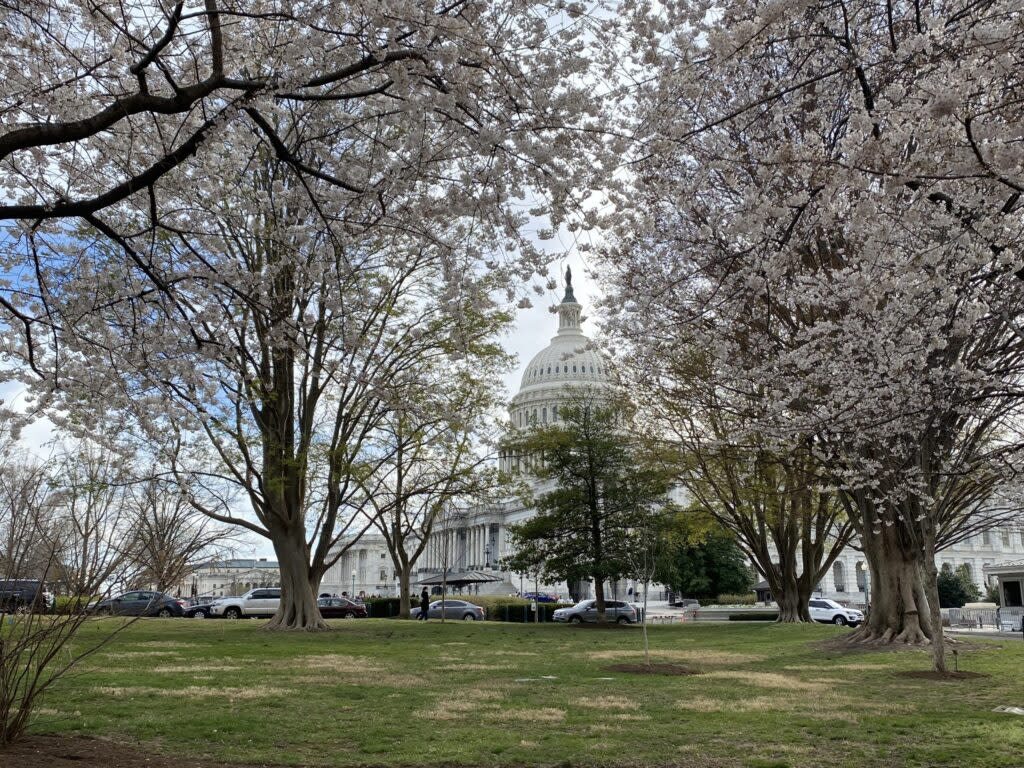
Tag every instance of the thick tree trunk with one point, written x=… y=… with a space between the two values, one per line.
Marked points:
x=599 y=600
x=404 y=602
x=793 y=608
x=298 y=609
x=791 y=592
x=898 y=612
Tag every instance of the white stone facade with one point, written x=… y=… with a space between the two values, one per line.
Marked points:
x=845 y=581
x=365 y=569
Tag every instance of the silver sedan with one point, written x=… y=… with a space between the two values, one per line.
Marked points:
x=453 y=609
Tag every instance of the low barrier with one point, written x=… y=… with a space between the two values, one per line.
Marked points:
x=980 y=618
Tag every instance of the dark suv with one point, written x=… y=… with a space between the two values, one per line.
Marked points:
x=140 y=604
x=25 y=595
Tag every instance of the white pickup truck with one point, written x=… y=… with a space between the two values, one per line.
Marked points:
x=261 y=601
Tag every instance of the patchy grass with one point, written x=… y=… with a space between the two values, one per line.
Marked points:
x=389 y=693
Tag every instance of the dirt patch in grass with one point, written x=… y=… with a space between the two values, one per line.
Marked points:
x=607 y=702
x=139 y=654
x=193 y=669
x=512 y=653
x=335 y=662
x=539 y=715
x=653 y=669
x=693 y=657
x=166 y=644
x=931 y=674
x=775 y=680
x=81 y=752
x=196 y=692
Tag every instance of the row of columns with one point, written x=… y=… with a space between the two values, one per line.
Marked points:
x=470 y=548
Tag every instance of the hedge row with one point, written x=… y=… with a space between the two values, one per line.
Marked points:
x=745 y=599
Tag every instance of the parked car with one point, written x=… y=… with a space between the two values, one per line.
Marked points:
x=541 y=597
x=586 y=611
x=831 y=612
x=200 y=610
x=259 y=602
x=453 y=609
x=24 y=595
x=340 y=608
x=139 y=604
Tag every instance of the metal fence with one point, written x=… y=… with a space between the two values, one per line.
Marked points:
x=1002 y=618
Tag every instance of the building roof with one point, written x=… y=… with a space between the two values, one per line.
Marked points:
x=1012 y=567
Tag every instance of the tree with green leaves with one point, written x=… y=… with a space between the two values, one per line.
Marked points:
x=956 y=587
x=605 y=484
x=703 y=562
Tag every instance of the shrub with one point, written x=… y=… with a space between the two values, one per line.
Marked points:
x=383 y=607
x=744 y=599
x=754 y=616
x=518 y=610
x=956 y=587
x=992 y=594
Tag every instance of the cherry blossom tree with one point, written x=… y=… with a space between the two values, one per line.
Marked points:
x=394 y=112
x=257 y=268
x=826 y=198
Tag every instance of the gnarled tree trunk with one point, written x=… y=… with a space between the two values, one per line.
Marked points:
x=898 y=610
x=298 y=609
x=792 y=597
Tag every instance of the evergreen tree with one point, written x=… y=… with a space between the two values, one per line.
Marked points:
x=609 y=488
x=704 y=567
x=956 y=587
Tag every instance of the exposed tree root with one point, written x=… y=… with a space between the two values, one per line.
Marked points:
x=274 y=625
x=868 y=636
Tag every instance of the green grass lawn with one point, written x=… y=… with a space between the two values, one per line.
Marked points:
x=390 y=693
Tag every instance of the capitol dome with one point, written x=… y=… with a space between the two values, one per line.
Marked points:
x=569 y=362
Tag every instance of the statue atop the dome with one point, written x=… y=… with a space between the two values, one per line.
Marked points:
x=569 y=296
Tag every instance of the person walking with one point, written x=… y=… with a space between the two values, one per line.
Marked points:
x=424 y=604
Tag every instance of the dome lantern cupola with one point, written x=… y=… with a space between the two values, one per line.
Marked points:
x=569 y=310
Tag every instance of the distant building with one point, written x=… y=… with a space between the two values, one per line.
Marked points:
x=365 y=568
x=230 y=577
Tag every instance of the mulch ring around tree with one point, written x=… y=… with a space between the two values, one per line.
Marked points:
x=931 y=674
x=83 y=752
x=654 y=669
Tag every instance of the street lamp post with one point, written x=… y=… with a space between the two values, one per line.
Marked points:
x=487 y=557
x=352 y=595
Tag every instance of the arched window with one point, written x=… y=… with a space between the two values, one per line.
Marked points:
x=549 y=370
x=535 y=415
x=574 y=369
x=862 y=575
x=545 y=412
x=565 y=369
x=554 y=413
x=839 y=576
